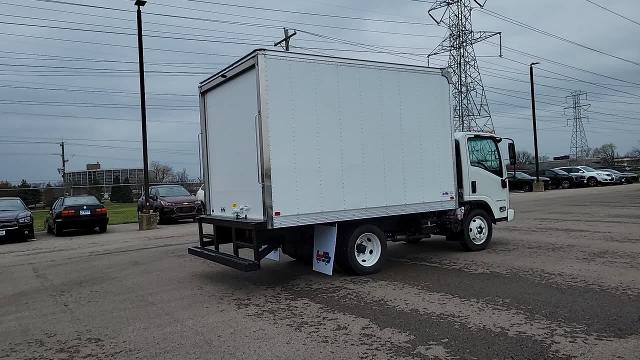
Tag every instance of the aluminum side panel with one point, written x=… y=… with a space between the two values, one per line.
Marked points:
x=348 y=138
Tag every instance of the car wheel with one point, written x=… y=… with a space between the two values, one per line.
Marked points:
x=526 y=188
x=102 y=228
x=565 y=184
x=57 y=229
x=477 y=230
x=592 y=182
x=48 y=227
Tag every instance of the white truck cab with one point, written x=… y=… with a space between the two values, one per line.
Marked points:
x=482 y=173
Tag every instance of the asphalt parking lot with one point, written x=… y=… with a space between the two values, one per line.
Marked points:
x=562 y=281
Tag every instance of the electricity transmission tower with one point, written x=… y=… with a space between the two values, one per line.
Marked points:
x=579 y=148
x=470 y=107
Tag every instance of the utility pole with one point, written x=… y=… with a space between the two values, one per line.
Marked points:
x=579 y=147
x=537 y=186
x=143 y=106
x=63 y=169
x=285 y=41
x=471 y=109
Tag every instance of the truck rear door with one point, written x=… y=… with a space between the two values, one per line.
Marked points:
x=233 y=148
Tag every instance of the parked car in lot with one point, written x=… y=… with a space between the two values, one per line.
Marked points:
x=594 y=177
x=16 y=221
x=172 y=202
x=559 y=179
x=77 y=213
x=524 y=182
x=623 y=177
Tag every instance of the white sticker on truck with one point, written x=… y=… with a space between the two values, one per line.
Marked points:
x=324 y=247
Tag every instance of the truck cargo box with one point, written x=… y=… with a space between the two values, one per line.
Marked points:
x=294 y=139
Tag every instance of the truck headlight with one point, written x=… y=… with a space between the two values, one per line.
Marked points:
x=24 y=220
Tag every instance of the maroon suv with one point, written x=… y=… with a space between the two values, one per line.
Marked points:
x=172 y=202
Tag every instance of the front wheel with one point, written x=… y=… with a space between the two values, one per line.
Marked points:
x=527 y=188
x=362 y=250
x=592 y=182
x=478 y=230
x=565 y=184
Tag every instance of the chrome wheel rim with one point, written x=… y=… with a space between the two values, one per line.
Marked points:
x=368 y=249
x=478 y=230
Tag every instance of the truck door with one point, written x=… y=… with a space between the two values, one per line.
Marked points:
x=235 y=183
x=485 y=180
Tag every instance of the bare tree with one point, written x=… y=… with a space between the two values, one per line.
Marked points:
x=524 y=157
x=606 y=153
x=159 y=173
x=181 y=176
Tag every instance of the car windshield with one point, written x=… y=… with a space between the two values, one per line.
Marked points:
x=169 y=191
x=81 y=200
x=11 y=205
x=611 y=171
x=522 y=175
x=560 y=172
x=587 y=169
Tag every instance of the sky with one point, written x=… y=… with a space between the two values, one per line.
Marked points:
x=68 y=69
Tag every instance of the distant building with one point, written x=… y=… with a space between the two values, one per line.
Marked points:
x=95 y=175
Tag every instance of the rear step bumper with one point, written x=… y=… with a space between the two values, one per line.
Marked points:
x=229 y=260
x=242 y=234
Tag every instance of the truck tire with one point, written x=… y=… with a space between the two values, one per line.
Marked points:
x=362 y=250
x=477 y=230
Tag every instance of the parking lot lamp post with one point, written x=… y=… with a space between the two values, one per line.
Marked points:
x=143 y=106
x=537 y=186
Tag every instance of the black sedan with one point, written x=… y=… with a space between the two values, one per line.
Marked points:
x=76 y=212
x=16 y=221
x=524 y=182
x=558 y=179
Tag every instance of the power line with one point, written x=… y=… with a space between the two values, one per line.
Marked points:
x=309 y=13
x=613 y=12
x=554 y=36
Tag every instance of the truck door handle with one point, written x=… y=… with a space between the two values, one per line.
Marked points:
x=474 y=187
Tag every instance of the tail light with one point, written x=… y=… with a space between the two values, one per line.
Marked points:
x=101 y=211
x=66 y=213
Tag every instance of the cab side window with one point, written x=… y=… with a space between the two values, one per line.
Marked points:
x=484 y=154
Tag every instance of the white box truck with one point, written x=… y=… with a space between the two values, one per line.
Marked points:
x=324 y=157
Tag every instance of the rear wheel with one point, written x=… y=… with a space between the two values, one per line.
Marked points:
x=362 y=250
x=102 y=228
x=57 y=229
x=477 y=230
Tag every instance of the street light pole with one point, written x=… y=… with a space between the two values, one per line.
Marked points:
x=535 y=127
x=143 y=106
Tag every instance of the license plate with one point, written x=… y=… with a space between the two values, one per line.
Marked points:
x=2 y=233
x=85 y=212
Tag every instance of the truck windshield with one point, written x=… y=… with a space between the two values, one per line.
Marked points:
x=484 y=153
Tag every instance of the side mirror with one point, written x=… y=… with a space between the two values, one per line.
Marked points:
x=512 y=154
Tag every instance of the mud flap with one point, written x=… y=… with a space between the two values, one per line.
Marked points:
x=324 y=247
